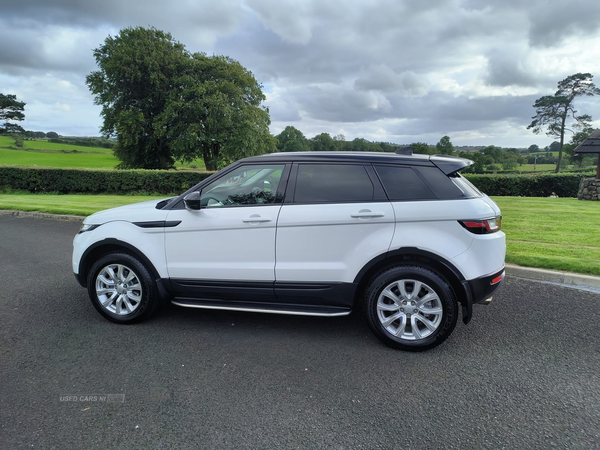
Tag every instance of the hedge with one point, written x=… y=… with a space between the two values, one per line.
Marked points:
x=543 y=185
x=73 y=181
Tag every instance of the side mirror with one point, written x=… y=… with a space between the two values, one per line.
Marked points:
x=192 y=200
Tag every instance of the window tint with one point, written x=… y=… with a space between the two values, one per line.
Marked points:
x=402 y=183
x=319 y=183
x=468 y=190
x=438 y=181
x=246 y=185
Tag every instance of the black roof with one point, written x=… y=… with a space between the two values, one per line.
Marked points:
x=447 y=164
x=590 y=145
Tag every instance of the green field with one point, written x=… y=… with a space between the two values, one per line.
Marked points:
x=64 y=160
x=41 y=153
x=552 y=233
x=82 y=205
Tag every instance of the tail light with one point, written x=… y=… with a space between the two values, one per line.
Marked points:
x=482 y=226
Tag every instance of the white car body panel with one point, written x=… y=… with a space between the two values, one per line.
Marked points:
x=223 y=243
x=325 y=243
x=149 y=241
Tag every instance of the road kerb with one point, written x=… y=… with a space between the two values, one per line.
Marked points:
x=573 y=279
x=41 y=215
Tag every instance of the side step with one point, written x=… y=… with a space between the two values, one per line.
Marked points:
x=296 y=310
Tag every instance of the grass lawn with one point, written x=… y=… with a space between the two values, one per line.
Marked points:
x=82 y=205
x=552 y=233
x=42 y=153
x=538 y=168
x=63 y=160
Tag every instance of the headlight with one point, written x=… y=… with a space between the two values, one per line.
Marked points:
x=87 y=227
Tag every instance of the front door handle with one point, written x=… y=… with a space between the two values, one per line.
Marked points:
x=256 y=218
x=367 y=214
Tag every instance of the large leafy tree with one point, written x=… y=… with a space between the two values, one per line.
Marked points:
x=165 y=104
x=553 y=111
x=323 y=143
x=11 y=109
x=444 y=146
x=291 y=139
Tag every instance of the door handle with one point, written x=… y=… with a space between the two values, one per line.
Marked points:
x=366 y=214
x=255 y=218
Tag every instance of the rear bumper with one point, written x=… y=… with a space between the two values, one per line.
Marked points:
x=483 y=288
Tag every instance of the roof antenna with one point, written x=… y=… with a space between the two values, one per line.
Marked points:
x=404 y=151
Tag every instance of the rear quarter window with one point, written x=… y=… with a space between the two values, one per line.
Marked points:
x=441 y=185
x=403 y=184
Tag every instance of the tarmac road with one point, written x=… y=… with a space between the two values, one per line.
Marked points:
x=525 y=373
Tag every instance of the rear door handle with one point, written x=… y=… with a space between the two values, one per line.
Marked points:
x=367 y=214
x=256 y=218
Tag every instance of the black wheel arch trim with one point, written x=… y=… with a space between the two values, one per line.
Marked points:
x=459 y=285
x=115 y=244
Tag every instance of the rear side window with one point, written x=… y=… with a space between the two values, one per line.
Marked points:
x=469 y=191
x=328 y=183
x=402 y=183
x=440 y=184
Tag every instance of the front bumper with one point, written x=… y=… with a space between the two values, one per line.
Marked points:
x=80 y=279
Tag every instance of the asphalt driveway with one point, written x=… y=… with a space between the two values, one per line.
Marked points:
x=525 y=373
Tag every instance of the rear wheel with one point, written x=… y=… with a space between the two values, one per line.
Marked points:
x=410 y=308
x=121 y=288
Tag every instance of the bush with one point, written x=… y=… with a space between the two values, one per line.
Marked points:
x=72 y=181
x=543 y=185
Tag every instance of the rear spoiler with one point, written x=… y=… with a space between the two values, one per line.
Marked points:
x=450 y=164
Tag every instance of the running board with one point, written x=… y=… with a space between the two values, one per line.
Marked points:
x=294 y=310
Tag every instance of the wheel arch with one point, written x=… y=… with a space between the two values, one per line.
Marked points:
x=416 y=256
x=111 y=245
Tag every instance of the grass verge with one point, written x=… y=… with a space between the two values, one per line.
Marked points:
x=82 y=205
x=551 y=233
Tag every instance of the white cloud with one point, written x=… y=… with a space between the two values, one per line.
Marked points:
x=392 y=70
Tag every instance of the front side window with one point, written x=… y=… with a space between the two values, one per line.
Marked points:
x=329 y=183
x=246 y=185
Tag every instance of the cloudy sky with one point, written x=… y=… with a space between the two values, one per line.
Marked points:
x=392 y=70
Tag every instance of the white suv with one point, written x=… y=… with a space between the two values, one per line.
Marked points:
x=403 y=237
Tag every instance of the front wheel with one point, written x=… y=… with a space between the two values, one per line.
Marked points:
x=121 y=288
x=410 y=308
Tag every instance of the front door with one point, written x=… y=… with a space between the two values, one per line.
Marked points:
x=232 y=236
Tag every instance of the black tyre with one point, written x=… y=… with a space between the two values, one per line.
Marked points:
x=122 y=289
x=410 y=308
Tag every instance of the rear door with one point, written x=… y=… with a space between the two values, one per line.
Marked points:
x=334 y=220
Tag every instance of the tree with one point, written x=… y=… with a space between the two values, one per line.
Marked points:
x=534 y=148
x=164 y=104
x=422 y=148
x=52 y=135
x=552 y=111
x=291 y=140
x=323 y=143
x=445 y=147
x=11 y=109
